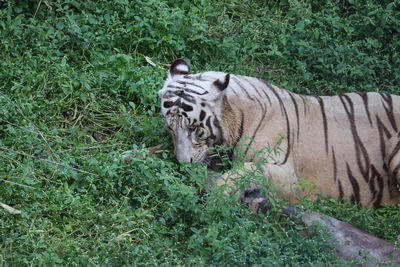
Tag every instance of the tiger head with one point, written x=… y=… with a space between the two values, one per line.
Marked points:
x=191 y=109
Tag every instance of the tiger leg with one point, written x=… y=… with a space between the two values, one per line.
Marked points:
x=283 y=180
x=392 y=159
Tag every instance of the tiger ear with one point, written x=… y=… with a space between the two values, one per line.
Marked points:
x=221 y=84
x=179 y=67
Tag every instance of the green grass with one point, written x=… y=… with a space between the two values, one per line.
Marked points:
x=76 y=89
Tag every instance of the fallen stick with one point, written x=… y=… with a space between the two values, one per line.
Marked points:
x=10 y=209
x=13 y=183
x=349 y=242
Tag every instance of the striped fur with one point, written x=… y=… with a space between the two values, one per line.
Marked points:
x=348 y=145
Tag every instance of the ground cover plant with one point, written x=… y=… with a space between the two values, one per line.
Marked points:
x=78 y=85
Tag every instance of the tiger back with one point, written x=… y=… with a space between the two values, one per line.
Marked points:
x=347 y=145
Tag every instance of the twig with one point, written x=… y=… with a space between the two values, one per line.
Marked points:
x=48 y=161
x=86 y=148
x=25 y=129
x=48 y=5
x=119 y=237
x=9 y=182
x=37 y=8
x=148 y=60
x=10 y=209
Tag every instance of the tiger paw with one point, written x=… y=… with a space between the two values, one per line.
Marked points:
x=257 y=202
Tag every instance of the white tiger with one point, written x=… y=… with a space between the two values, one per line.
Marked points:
x=348 y=145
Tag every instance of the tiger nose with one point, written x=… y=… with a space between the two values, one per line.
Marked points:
x=187 y=160
x=184 y=157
